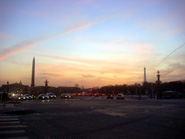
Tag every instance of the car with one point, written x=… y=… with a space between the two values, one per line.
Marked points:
x=43 y=97
x=169 y=94
x=180 y=95
x=90 y=94
x=120 y=96
x=96 y=95
x=74 y=94
x=65 y=96
x=12 y=96
x=20 y=97
x=110 y=96
x=34 y=96
x=79 y=94
x=27 y=97
x=84 y=94
x=51 y=95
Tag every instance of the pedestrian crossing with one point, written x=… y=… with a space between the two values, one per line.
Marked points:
x=11 y=127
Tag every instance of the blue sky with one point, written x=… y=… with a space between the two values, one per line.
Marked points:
x=91 y=42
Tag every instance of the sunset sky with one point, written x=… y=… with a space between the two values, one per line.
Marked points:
x=91 y=42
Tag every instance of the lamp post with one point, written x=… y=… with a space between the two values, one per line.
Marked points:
x=158 y=85
x=7 y=86
x=139 y=89
x=46 y=85
x=5 y=94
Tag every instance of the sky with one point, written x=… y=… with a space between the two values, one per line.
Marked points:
x=91 y=43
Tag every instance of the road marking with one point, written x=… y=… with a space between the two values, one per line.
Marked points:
x=9 y=123
x=17 y=138
x=10 y=127
x=7 y=116
x=9 y=119
x=8 y=132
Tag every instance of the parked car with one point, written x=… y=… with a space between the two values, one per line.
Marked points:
x=51 y=95
x=43 y=96
x=180 y=95
x=120 y=96
x=169 y=94
x=65 y=96
x=110 y=96
x=27 y=97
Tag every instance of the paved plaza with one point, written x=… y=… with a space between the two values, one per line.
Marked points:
x=94 y=117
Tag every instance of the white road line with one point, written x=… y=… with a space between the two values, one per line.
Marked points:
x=10 y=127
x=9 y=122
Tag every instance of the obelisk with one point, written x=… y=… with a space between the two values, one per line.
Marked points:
x=33 y=74
x=144 y=75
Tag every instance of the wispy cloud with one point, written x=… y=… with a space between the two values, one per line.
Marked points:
x=19 y=48
x=88 y=76
x=83 y=61
x=4 y=36
x=171 y=54
x=28 y=45
x=50 y=75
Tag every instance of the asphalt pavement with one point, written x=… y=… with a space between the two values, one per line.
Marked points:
x=89 y=117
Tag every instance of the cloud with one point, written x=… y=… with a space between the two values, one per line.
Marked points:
x=168 y=24
x=89 y=63
x=4 y=36
x=171 y=54
x=174 y=69
x=28 y=45
x=19 y=48
x=73 y=29
x=88 y=76
x=89 y=69
x=175 y=31
x=50 y=75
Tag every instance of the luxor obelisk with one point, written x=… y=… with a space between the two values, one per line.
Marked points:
x=144 y=75
x=33 y=74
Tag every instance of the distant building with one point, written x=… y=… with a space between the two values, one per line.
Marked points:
x=69 y=89
x=16 y=88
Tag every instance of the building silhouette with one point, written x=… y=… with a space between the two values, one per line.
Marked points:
x=15 y=88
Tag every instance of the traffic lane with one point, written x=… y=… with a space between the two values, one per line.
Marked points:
x=84 y=119
x=66 y=122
